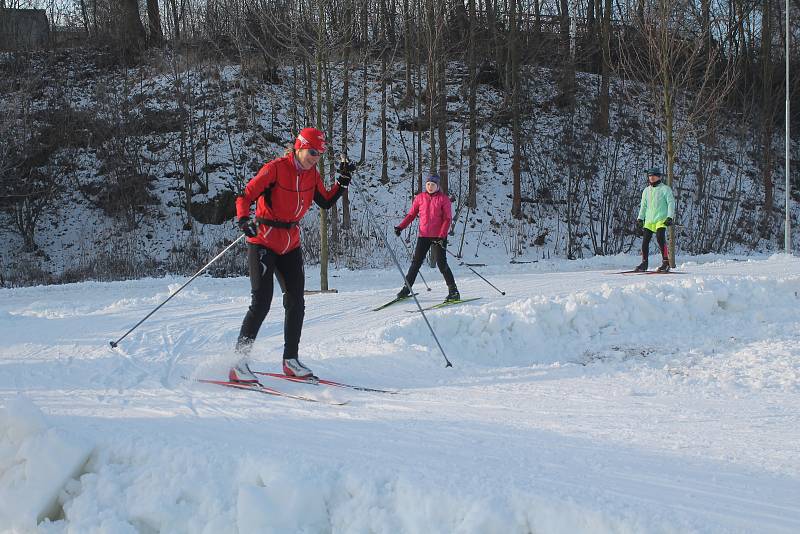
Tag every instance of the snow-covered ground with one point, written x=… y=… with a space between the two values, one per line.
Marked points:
x=581 y=401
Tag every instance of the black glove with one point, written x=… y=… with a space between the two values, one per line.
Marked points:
x=345 y=171
x=641 y=223
x=247 y=227
x=343 y=181
x=668 y=222
x=398 y=231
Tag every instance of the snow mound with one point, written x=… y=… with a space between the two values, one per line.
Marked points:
x=153 y=487
x=36 y=461
x=660 y=317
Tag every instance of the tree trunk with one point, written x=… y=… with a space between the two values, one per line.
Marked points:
x=345 y=100
x=419 y=118
x=442 y=115
x=407 y=99
x=365 y=70
x=176 y=21
x=431 y=81
x=566 y=84
x=156 y=37
x=605 y=69
x=669 y=134
x=323 y=213
x=767 y=123
x=472 y=190
x=384 y=75
x=516 y=206
x=133 y=35
x=333 y=211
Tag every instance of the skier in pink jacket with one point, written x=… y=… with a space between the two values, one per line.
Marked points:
x=435 y=215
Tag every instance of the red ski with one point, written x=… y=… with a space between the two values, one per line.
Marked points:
x=260 y=388
x=651 y=272
x=315 y=381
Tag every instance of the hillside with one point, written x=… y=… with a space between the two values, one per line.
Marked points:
x=110 y=150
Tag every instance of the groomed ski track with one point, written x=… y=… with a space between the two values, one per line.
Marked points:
x=582 y=401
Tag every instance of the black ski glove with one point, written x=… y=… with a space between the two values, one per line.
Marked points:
x=398 y=231
x=668 y=222
x=641 y=223
x=247 y=227
x=345 y=171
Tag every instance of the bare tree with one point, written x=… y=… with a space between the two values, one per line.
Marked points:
x=687 y=81
x=767 y=123
x=348 y=44
x=156 y=36
x=132 y=30
x=601 y=120
x=516 y=138
x=472 y=195
x=382 y=43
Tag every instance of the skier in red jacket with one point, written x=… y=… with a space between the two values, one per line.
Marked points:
x=283 y=191
x=435 y=215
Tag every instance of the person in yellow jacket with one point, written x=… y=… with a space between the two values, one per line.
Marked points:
x=656 y=213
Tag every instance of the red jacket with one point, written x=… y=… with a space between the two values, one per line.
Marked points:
x=435 y=214
x=283 y=193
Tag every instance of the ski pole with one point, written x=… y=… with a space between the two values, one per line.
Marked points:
x=420 y=274
x=400 y=268
x=471 y=269
x=115 y=343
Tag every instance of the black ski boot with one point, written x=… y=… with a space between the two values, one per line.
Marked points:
x=452 y=295
x=664 y=267
x=404 y=293
x=642 y=267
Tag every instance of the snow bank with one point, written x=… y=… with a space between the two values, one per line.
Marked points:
x=36 y=460
x=145 y=487
x=638 y=319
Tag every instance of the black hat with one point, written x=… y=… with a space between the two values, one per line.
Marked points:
x=654 y=171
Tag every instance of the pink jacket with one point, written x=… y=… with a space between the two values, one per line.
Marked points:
x=435 y=214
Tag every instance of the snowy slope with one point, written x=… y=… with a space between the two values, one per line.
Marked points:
x=79 y=240
x=582 y=401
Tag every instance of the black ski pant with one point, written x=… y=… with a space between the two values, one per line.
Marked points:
x=661 y=239
x=263 y=264
x=440 y=254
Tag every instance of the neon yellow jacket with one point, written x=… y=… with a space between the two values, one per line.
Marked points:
x=657 y=205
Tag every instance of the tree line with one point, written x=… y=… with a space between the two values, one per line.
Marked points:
x=699 y=64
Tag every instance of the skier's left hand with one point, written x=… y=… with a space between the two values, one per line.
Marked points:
x=343 y=181
x=668 y=222
x=345 y=171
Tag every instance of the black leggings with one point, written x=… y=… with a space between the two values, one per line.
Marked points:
x=423 y=245
x=263 y=264
x=661 y=239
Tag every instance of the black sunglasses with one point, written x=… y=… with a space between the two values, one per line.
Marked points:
x=313 y=152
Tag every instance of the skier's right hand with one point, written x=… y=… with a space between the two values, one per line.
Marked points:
x=247 y=227
x=641 y=223
x=398 y=231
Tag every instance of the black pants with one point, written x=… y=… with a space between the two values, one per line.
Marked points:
x=423 y=245
x=263 y=264
x=661 y=239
